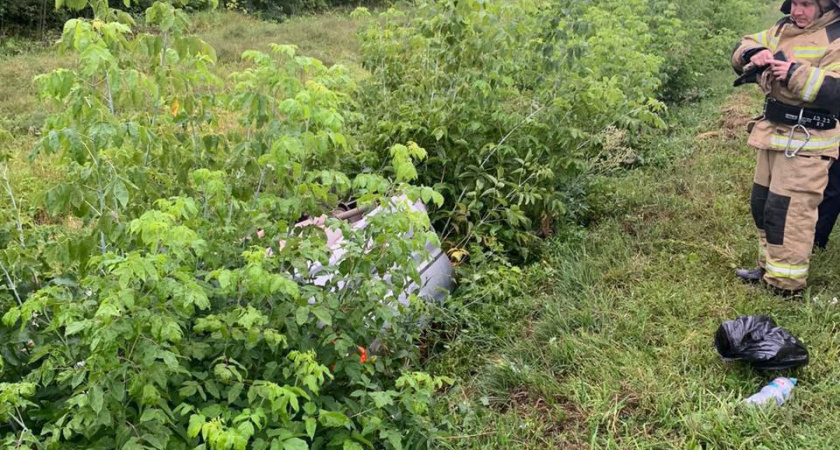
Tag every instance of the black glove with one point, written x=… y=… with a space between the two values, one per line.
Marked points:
x=751 y=75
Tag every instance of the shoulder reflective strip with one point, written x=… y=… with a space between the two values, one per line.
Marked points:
x=774 y=42
x=781 y=142
x=761 y=38
x=814 y=84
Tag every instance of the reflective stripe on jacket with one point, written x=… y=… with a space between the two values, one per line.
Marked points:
x=815 y=82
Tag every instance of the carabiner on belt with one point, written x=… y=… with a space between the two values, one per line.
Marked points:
x=788 y=153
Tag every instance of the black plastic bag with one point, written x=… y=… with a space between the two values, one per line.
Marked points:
x=760 y=342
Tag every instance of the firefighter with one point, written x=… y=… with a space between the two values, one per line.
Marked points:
x=829 y=208
x=797 y=65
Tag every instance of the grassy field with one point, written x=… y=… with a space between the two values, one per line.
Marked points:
x=608 y=341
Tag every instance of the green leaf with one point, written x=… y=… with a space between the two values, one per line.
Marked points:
x=246 y=428
x=323 y=315
x=75 y=327
x=196 y=421
x=233 y=393
x=302 y=315
x=11 y=317
x=295 y=444
x=225 y=277
x=311 y=425
x=382 y=399
x=96 y=398
x=121 y=193
x=131 y=444
x=332 y=419
x=351 y=445
x=211 y=387
x=157 y=442
x=394 y=438
x=152 y=414
x=309 y=408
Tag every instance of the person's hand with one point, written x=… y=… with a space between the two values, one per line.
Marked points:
x=780 y=69
x=762 y=58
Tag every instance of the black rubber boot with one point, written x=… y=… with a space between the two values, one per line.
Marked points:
x=750 y=275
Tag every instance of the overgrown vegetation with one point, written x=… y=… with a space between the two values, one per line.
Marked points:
x=163 y=298
x=159 y=296
x=520 y=104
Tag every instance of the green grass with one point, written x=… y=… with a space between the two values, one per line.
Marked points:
x=329 y=37
x=23 y=115
x=608 y=342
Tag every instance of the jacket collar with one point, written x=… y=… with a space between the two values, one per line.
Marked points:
x=826 y=19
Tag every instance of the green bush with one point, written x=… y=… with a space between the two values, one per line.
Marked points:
x=695 y=36
x=520 y=103
x=511 y=99
x=167 y=300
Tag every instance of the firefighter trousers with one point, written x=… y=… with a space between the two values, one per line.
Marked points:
x=785 y=197
x=829 y=208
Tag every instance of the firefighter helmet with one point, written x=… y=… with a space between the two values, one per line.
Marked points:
x=824 y=5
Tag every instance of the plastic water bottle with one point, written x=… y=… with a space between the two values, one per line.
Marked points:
x=778 y=390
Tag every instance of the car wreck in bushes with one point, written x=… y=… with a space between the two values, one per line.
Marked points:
x=435 y=275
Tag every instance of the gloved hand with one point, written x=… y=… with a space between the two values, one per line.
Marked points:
x=754 y=72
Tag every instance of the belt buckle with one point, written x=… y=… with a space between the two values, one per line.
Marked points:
x=788 y=153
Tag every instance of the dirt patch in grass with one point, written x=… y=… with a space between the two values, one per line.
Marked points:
x=736 y=114
x=558 y=417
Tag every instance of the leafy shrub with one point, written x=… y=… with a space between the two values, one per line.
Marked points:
x=693 y=37
x=510 y=99
x=168 y=301
x=514 y=100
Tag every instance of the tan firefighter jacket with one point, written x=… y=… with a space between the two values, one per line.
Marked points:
x=814 y=82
